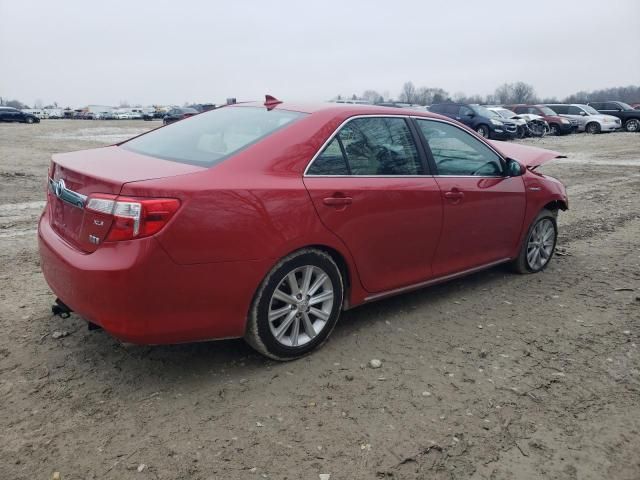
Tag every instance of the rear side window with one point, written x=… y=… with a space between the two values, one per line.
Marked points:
x=574 y=110
x=330 y=161
x=380 y=146
x=210 y=137
x=373 y=146
x=560 y=109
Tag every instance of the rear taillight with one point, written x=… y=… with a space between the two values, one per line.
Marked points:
x=133 y=217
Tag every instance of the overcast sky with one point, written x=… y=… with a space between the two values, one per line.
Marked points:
x=79 y=52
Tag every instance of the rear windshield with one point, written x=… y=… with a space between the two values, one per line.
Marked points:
x=210 y=137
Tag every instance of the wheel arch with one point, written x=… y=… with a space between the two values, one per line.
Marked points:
x=556 y=205
x=343 y=266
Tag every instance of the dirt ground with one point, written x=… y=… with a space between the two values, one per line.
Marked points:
x=494 y=376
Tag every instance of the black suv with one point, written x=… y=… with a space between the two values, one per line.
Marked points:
x=629 y=117
x=8 y=114
x=487 y=123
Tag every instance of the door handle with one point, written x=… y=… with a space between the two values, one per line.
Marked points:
x=454 y=195
x=338 y=201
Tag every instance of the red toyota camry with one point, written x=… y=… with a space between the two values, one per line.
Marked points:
x=265 y=221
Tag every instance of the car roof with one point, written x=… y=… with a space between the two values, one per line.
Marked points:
x=341 y=109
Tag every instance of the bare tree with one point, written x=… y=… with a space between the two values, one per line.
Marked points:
x=503 y=94
x=371 y=96
x=408 y=94
x=523 y=93
x=518 y=92
x=16 y=104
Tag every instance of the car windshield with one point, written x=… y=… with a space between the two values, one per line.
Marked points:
x=484 y=112
x=547 y=111
x=504 y=113
x=625 y=106
x=210 y=137
x=590 y=110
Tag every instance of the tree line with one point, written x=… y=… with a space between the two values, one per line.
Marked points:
x=505 y=94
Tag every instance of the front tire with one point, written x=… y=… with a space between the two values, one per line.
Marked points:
x=632 y=125
x=29 y=120
x=592 y=128
x=554 y=129
x=483 y=131
x=539 y=244
x=296 y=306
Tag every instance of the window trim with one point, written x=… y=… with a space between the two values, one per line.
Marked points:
x=422 y=154
x=433 y=166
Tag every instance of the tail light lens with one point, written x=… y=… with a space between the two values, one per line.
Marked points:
x=133 y=217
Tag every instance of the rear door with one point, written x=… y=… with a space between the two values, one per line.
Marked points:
x=483 y=209
x=370 y=186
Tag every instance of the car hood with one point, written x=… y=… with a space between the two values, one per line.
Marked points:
x=530 y=157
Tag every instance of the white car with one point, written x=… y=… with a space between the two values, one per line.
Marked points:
x=588 y=118
x=520 y=119
x=123 y=116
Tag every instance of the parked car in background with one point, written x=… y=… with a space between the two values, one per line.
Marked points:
x=9 y=114
x=636 y=106
x=487 y=123
x=527 y=124
x=178 y=113
x=589 y=119
x=266 y=221
x=122 y=115
x=557 y=125
x=629 y=116
x=40 y=113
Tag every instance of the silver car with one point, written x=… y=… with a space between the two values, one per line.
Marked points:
x=589 y=119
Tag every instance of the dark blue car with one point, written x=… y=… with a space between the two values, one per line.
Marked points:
x=487 y=123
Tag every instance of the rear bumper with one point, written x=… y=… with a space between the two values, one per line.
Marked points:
x=134 y=291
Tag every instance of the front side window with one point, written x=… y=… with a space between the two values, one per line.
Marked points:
x=575 y=110
x=380 y=146
x=457 y=152
x=209 y=138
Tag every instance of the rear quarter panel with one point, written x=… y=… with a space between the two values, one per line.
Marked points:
x=252 y=206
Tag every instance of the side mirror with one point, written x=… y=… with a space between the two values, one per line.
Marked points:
x=514 y=169
x=470 y=115
x=584 y=114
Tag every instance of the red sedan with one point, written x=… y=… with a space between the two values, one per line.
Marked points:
x=265 y=221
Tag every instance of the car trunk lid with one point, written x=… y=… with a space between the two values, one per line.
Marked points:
x=74 y=177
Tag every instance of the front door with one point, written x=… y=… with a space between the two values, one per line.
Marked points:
x=369 y=187
x=483 y=209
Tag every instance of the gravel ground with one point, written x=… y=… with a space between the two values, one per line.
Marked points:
x=494 y=376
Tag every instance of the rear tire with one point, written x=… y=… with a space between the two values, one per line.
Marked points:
x=296 y=306
x=632 y=125
x=592 y=127
x=538 y=245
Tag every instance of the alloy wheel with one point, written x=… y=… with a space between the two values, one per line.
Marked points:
x=632 y=125
x=540 y=245
x=301 y=306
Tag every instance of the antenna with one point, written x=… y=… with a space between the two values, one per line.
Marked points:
x=270 y=101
